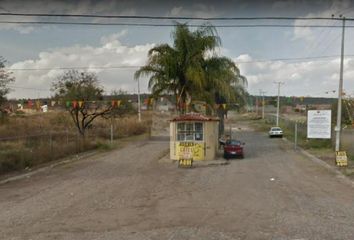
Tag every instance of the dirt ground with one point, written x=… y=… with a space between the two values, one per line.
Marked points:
x=274 y=193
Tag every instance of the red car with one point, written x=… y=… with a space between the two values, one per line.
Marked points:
x=233 y=148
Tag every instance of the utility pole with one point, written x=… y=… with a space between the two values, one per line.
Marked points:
x=278 y=104
x=139 y=107
x=262 y=94
x=340 y=90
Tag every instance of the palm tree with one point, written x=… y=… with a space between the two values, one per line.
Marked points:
x=191 y=69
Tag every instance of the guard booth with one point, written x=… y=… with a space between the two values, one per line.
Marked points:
x=195 y=136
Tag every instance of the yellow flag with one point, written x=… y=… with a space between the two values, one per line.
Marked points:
x=118 y=102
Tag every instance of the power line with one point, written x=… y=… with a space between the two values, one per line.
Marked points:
x=138 y=66
x=317 y=44
x=172 y=24
x=330 y=43
x=69 y=68
x=166 y=17
x=294 y=59
x=29 y=88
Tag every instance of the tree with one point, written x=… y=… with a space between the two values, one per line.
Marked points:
x=80 y=91
x=192 y=69
x=125 y=107
x=5 y=79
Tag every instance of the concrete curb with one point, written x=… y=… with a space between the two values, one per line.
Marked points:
x=316 y=160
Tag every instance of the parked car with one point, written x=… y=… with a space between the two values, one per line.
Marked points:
x=233 y=148
x=275 y=132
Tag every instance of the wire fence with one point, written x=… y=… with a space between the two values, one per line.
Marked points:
x=21 y=152
x=347 y=136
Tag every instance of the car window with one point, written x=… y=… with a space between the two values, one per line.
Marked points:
x=233 y=142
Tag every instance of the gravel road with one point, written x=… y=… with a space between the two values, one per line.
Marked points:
x=274 y=193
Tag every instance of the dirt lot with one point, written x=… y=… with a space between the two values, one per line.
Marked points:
x=274 y=193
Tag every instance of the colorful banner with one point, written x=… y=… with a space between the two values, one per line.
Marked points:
x=75 y=104
x=71 y=103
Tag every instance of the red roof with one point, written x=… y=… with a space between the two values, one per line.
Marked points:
x=194 y=117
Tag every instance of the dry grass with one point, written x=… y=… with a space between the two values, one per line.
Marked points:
x=30 y=140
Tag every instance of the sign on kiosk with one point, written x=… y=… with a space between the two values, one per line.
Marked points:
x=319 y=124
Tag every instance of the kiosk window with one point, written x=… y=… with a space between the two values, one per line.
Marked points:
x=190 y=131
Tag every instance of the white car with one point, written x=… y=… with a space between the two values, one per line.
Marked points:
x=275 y=132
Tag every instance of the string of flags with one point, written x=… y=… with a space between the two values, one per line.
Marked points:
x=117 y=103
x=147 y=102
x=77 y=103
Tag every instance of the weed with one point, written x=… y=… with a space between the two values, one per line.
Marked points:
x=30 y=140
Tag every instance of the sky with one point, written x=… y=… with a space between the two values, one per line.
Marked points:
x=38 y=53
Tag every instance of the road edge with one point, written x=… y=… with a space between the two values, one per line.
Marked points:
x=69 y=159
x=318 y=161
x=40 y=169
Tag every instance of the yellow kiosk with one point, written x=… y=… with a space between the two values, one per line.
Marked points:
x=194 y=136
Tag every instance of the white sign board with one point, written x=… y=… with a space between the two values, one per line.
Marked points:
x=319 y=124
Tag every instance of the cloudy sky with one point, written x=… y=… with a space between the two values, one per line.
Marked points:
x=38 y=53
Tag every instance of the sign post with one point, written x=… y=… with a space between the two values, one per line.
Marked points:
x=341 y=158
x=186 y=154
x=319 y=124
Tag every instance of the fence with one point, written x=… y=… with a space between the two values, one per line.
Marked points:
x=347 y=143
x=20 y=152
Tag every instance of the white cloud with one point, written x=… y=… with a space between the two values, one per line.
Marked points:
x=110 y=53
x=113 y=37
x=196 y=10
x=313 y=78
x=311 y=35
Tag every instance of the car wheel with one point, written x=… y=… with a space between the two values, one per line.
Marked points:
x=226 y=156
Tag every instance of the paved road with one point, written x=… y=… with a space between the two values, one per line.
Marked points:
x=129 y=194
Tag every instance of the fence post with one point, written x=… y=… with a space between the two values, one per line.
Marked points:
x=67 y=137
x=111 y=129
x=295 y=140
x=111 y=134
x=78 y=142
x=51 y=144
